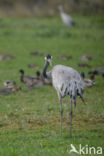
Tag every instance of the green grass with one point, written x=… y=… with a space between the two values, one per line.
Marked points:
x=30 y=120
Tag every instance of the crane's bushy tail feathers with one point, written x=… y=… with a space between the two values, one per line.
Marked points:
x=76 y=89
x=80 y=88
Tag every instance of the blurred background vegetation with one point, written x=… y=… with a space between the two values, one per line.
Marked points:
x=27 y=8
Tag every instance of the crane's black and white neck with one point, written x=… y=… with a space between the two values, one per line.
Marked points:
x=46 y=75
x=48 y=59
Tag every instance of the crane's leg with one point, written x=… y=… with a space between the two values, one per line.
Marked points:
x=74 y=100
x=71 y=113
x=82 y=99
x=61 y=115
x=61 y=112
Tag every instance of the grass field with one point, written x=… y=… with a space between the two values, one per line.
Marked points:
x=30 y=120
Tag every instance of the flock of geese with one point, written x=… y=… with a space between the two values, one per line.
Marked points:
x=43 y=78
x=66 y=81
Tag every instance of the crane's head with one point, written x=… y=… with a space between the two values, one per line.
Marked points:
x=48 y=59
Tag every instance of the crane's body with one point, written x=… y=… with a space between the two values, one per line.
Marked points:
x=66 y=81
x=66 y=19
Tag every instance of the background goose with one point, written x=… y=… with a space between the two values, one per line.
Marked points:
x=97 y=71
x=29 y=80
x=88 y=82
x=9 y=87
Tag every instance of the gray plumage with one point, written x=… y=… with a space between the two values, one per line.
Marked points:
x=66 y=19
x=66 y=81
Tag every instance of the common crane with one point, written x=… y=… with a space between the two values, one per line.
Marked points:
x=66 y=19
x=66 y=81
